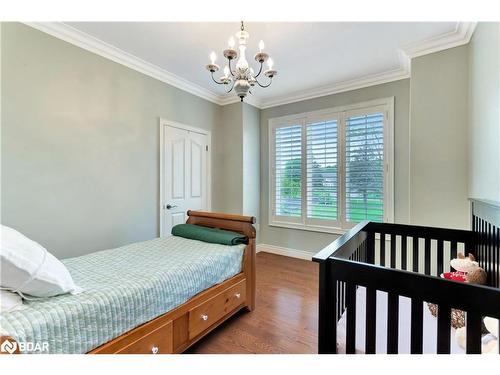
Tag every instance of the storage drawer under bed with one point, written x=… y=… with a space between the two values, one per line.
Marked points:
x=158 y=341
x=206 y=314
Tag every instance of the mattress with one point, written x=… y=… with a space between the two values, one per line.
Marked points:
x=429 y=327
x=123 y=288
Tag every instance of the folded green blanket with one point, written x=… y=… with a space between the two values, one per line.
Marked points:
x=205 y=234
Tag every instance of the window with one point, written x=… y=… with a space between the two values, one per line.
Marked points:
x=288 y=146
x=332 y=169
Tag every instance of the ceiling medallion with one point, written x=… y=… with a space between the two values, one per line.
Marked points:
x=243 y=77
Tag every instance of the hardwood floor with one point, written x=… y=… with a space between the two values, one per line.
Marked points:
x=285 y=319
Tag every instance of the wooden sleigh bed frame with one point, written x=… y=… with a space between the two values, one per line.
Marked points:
x=178 y=329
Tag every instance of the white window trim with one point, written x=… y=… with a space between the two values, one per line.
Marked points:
x=384 y=105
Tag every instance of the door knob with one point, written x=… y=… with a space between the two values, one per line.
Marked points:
x=169 y=206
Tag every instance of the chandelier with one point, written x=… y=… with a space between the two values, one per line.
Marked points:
x=243 y=77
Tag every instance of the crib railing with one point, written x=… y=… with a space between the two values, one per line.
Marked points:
x=486 y=225
x=403 y=260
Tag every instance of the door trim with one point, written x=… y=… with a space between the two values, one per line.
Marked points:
x=162 y=123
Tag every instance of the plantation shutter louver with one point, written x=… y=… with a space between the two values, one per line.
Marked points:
x=288 y=171
x=322 y=176
x=364 y=168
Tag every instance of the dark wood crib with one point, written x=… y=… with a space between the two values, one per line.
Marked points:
x=377 y=256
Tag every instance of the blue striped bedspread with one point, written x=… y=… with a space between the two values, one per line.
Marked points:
x=123 y=288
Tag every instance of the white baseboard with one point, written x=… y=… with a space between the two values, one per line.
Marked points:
x=292 y=253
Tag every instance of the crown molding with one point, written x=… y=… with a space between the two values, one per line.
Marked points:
x=97 y=46
x=461 y=35
x=338 y=87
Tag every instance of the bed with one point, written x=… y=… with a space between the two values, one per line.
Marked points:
x=157 y=296
x=376 y=280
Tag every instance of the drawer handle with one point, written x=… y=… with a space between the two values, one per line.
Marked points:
x=204 y=317
x=154 y=350
x=238 y=295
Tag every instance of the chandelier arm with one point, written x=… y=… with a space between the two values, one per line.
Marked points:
x=231 y=89
x=213 y=79
x=264 y=86
x=230 y=69
x=260 y=71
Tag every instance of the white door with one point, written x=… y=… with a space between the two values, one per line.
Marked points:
x=184 y=176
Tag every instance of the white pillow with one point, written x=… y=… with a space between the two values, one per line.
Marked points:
x=27 y=267
x=10 y=301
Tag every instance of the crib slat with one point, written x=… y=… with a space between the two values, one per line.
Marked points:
x=498 y=335
x=392 y=323
x=415 y=254
x=371 y=319
x=404 y=258
x=351 y=318
x=417 y=325
x=427 y=256
x=494 y=257
x=487 y=262
x=443 y=329
x=382 y=249
x=497 y=260
x=393 y=251
x=453 y=249
x=479 y=245
x=340 y=297
x=370 y=248
x=481 y=242
x=473 y=333
x=440 y=257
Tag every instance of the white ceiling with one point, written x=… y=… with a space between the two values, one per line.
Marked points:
x=308 y=56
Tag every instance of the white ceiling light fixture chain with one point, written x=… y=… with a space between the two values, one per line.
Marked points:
x=243 y=77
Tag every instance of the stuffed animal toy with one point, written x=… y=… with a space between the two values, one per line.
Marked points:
x=491 y=325
x=464 y=264
x=470 y=272
x=457 y=316
x=489 y=341
x=477 y=276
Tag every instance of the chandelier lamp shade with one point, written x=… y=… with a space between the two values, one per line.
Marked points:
x=242 y=77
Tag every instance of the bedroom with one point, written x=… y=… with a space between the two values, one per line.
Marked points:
x=114 y=134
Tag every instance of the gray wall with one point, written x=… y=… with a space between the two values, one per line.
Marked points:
x=313 y=241
x=484 y=113
x=237 y=183
x=251 y=161
x=80 y=143
x=228 y=181
x=438 y=134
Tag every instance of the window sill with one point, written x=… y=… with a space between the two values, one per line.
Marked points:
x=309 y=228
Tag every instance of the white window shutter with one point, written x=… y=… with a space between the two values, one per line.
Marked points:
x=364 y=167
x=322 y=170
x=288 y=171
